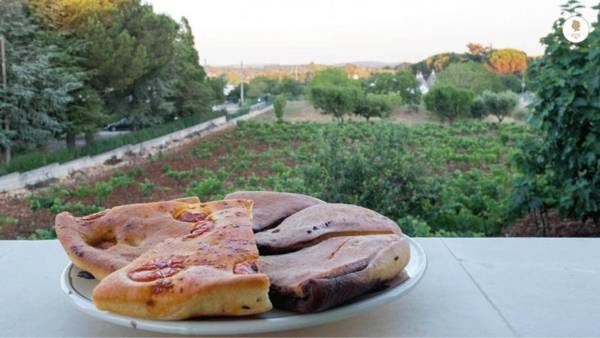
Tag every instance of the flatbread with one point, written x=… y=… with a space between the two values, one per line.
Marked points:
x=334 y=271
x=107 y=241
x=320 y=222
x=211 y=271
x=270 y=207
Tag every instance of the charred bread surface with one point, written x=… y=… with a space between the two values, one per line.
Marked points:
x=334 y=271
x=271 y=207
x=320 y=222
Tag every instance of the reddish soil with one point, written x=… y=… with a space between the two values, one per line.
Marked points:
x=165 y=187
x=557 y=227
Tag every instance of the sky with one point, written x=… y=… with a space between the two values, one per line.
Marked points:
x=340 y=31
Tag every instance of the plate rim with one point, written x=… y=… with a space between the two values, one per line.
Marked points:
x=249 y=326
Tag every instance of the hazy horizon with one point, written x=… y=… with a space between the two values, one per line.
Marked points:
x=263 y=32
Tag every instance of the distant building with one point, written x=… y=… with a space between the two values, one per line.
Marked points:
x=425 y=84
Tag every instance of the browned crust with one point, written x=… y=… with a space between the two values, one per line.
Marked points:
x=201 y=275
x=132 y=230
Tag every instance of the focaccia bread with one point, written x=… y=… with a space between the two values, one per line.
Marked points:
x=107 y=241
x=211 y=271
x=320 y=222
x=334 y=271
x=270 y=207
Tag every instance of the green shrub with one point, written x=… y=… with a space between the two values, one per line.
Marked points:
x=206 y=189
x=448 y=102
x=376 y=105
x=377 y=173
x=279 y=106
x=414 y=227
x=78 y=209
x=4 y=220
x=566 y=81
x=470 y=76
x=472 y=202
x=497 y=104
x=146 y=187
x=179 y=175
x=41 y=234
x=136 y=172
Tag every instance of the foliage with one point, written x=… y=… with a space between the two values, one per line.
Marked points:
x=131 y=62
x=376 y=105
x=408 y=88
x=471 y=76
x=260 y=87
x=332 y=92
x=512 y=82
x=566 y=117
x=206 y=189
x=376 y=173
x=478 y=108
x=402 y=83
x=41 y=234
x=448 y=102
x=236 y=93
x=335 y=100
x=289 y=87
x=38 y=91
x=497 y=104
x=438 y=62
x=334 y=77
x=146 y=187
x=279 y=106
x=192 y=93
x=38 y=159
x=508 y=61
x=478 y=52
x=217 y=86
x=435 y=180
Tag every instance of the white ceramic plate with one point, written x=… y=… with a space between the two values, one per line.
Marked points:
x=79 y=291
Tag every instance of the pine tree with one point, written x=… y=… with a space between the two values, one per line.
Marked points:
x=38 y=91
x=193 y=95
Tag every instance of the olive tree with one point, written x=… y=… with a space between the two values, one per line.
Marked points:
x=497 y=104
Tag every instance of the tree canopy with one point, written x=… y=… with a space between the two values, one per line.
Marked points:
x=38 y=91
x=566 y=156
x=508 y=61
x=471 y=76
x=332 y=92
x=74 y=65
x=448 y=102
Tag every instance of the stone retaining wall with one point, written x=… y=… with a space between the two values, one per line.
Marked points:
x=17 y=181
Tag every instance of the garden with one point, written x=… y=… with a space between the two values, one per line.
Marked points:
x=477 y=163
x=434 y=180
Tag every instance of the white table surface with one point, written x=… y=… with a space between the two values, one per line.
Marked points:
x=473 y=287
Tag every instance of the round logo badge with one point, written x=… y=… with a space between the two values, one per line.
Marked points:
x=575 y=29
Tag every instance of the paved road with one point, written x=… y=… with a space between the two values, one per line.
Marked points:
x=473 y=287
